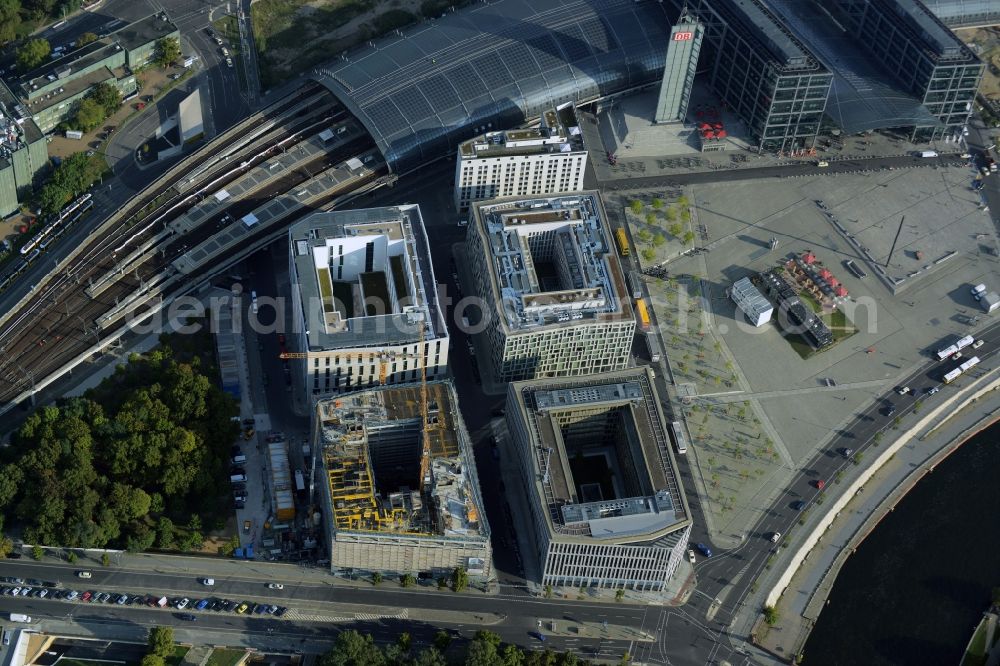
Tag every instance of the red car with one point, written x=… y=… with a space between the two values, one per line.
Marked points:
x=86 y=596
x=820 y=484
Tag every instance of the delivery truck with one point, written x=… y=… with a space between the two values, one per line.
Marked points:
x=927 y=153
x=20 y=617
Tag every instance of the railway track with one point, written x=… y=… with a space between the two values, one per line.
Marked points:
x=58 y=324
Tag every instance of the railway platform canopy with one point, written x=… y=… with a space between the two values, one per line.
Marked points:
x=492 y=66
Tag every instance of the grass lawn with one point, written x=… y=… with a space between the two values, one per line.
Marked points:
x=177 y=656
x=225 y=657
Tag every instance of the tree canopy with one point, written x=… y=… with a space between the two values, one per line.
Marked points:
x=73 y=176
x=32 y=54
x=486 y=649
x=10 y=20
x=107 y=469
x=168 y=50
x=108 y=96
x=85 y=38
x=89 y=114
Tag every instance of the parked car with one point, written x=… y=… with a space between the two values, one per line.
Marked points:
x=775 y=536
x=84 y=574
x=933 y=389
x=242 y=608
x=188 y=617
x=703 y=549
x=691 y=558
x=182 y=604
x=820 y=484
x=208 y=581
x=275 y=586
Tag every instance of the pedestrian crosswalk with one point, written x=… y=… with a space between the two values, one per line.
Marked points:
x=306 y=616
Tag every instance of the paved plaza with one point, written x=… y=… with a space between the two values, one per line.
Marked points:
x=762 y=411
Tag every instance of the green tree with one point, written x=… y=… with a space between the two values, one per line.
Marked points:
x=6 y=546
x=353 y=649
x=771 y=615
x=71 y=557
x=85 y=39
x=688 y=237
x=619 y=595
x=671 y=214
x=675 y=230
x=107 y=96
x=152 y=660
x=161 y=641
x=89 y=115
x=37 y=552
x=651 y=219
x=377 y=578
x=407 y=580
x=659 y=240
x=636 y=206
x=168 y=50
x=10 y=20
x=430 y=657
x=548 y=591
x=683 y=201
x=657 y=203
x=459 y=579
x=404 y=641
x=512 y=656
x=105 y=560
x=32 y=54
x=648 y=254
x=442 y=640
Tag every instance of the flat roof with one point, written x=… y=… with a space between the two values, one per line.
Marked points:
x=568 y=233
x=759 y=25
x=364 y=433
x=144 y=31
x=71 y=88
x=66 y=66
x=558 y=132
x=580 y=475
x=338 y=257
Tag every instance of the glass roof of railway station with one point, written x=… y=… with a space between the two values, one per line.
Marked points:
x=492 y=66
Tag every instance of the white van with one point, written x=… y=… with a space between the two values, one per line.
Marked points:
x=253 y=302
x=239 y=460
x=238 y=478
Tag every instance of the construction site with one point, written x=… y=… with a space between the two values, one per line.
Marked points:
x=402 y=493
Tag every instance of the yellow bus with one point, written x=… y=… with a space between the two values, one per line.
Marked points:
x=622 y=239
x=640 y=305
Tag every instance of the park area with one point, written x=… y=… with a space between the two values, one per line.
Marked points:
x=292 y=36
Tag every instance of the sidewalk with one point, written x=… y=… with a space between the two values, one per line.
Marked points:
x=802 y=602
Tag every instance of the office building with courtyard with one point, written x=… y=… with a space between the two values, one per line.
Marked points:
x=607 y=508
x=542 y=160
x=401 y=494
x=553 y=293
x=364 y=303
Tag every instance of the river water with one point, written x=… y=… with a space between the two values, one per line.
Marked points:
x=916 y=587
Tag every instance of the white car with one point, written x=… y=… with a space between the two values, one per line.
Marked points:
x=229 y=62
x=182 y=604
x=275 y=586
x=775 y=537
x=691 y=556
x=84 y=574
x=208 y=581
x=978 y=343
x=903 y=390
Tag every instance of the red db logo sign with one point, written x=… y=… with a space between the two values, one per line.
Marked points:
x=683 y=36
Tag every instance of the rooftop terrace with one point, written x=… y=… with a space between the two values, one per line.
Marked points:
x=558 y=132
x=364 y=277
x=551 y=258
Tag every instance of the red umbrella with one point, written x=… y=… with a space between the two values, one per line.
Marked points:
x=809 y=258
x=834 y=282
x=841 y=291
x=721 y=133
x=825 y=274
